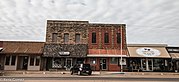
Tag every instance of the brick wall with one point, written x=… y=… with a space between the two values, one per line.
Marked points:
x=111 y=29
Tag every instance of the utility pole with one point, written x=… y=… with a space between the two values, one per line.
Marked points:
x=121 y=51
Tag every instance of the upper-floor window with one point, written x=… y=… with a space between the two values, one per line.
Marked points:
x=106 y=37
x=54 y=37
x=118 y=37
x=77 y=38
x=93 y=37
x=66 y=38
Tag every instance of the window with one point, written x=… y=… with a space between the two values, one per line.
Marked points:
x=54 y=37
x=118 y=38
x=93 y=60
x=13 y=60
x=10 y=60
x=66 y=38
x=37 y=63
x=93 y=37
x=106 y=37
x=34 y=61
x=56 y=63
x=113 y=61
x=7 y=60
x=77 y=38
x=31 y=61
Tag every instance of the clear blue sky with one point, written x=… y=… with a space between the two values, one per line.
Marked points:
x=148 y=21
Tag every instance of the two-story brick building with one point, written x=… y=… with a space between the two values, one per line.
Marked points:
x=71 y=42
x=106 y=46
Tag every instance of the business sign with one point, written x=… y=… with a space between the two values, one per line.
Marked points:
x=148 y=52
x=64 y=53
x=123 y=61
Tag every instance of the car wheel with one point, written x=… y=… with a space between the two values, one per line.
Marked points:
x=89 y=73
x=80 y=73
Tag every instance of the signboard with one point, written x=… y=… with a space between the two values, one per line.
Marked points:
x=64 y=53
x=123 y=61
x=148 y=52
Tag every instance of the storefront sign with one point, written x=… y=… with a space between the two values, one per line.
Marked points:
x=64 y=53
x=148 y=52
x=123 y=61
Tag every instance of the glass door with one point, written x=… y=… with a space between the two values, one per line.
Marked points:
x=143 y=65
x=103 y=64
x=147 y=64
x=68 y=63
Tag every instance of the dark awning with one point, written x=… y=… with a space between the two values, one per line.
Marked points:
x=65 y=50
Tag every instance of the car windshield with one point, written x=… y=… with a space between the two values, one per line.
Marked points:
x=86 y=66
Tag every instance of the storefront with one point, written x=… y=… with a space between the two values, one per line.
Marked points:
x=174 y=53
x=64 y=56
x=148 y=57
x=22 y=55
x=107 y=59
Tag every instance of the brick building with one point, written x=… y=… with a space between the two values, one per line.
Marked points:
x=71 y=42
x=106 y=45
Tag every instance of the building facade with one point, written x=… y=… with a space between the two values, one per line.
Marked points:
x=174 y=53
x=148 y=57
x=66 y=43
x=72 y=42
x=21 y=55
x=106 y=46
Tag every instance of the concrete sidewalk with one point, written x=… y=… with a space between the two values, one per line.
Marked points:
x=94 y=74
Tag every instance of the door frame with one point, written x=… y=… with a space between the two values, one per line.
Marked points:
x=147 y=66
x=101 y=64
x=70 y=63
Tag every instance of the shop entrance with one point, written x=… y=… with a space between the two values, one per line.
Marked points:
x=22 y=62
x=68 y=63
x=103 y=64
x=147 y=64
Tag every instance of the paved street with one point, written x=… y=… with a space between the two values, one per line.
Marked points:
x=61 y=76
x=85 y=79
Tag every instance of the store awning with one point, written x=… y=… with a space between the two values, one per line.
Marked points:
x=151 y=52
x=106 y=53
x=22 y=48
x=174 y=55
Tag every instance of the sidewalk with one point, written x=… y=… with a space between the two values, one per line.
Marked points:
x=94 y=74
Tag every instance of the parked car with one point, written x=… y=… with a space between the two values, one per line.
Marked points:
x=81 y=69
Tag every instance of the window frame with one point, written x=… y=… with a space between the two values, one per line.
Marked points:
x=118 y=37
x=77 y=38
x=92 y=60
x=106 y=38
x=54 y=37
x=115 y=61
x=66 y=37
x=93 y=38
x=10 y=62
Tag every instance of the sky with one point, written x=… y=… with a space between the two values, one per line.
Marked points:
x=147 y=21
